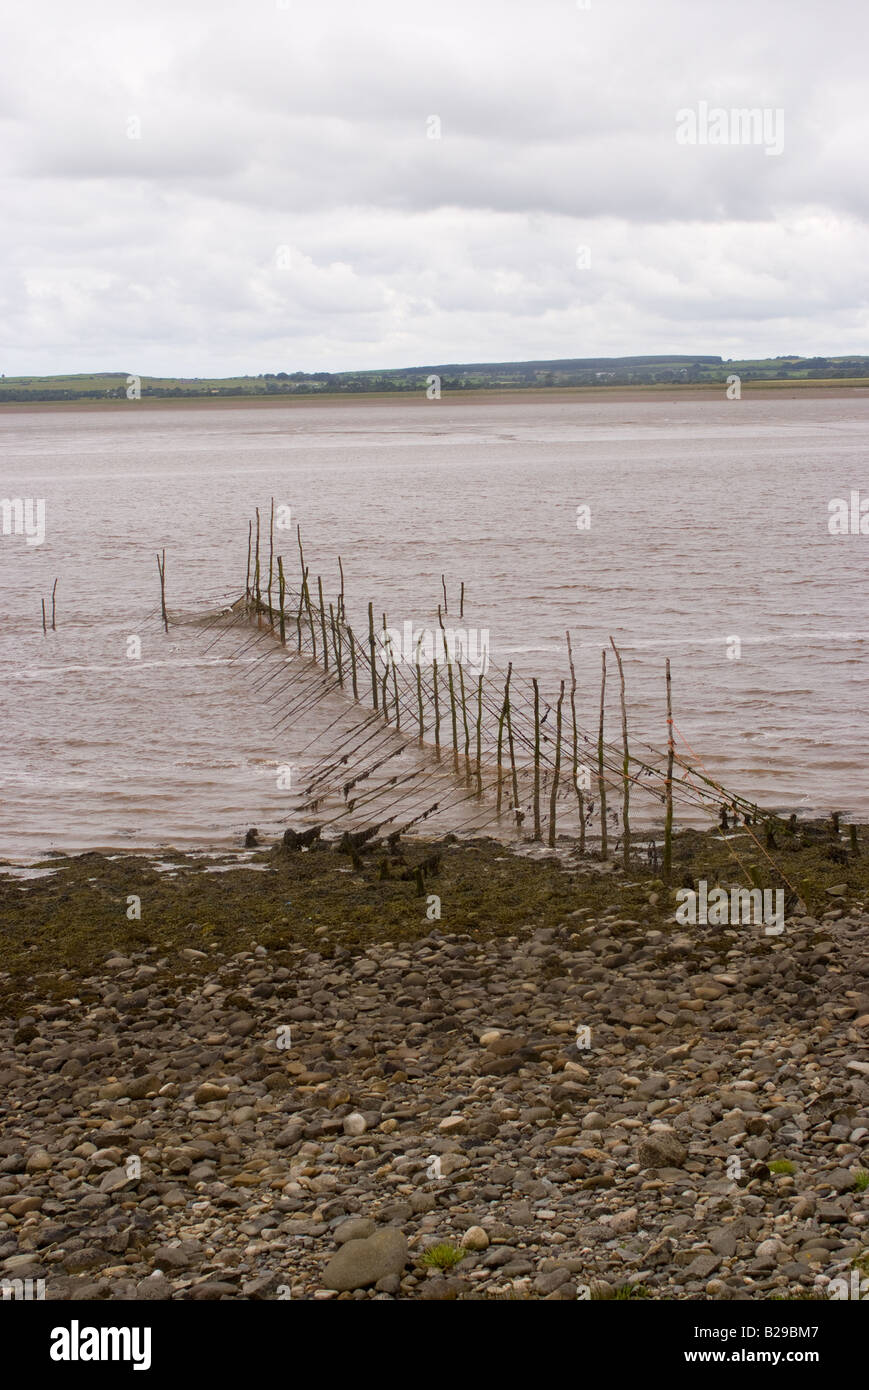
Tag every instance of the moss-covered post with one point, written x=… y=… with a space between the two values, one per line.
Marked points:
x=601 y=783
x=557 y=769
x=626 y=765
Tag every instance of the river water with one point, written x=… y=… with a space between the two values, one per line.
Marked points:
x=707 y=542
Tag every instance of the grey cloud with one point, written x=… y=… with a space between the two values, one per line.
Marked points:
x=305 y=127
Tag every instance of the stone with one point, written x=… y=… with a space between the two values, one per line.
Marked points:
x=453 y=1124
x=115 y=1179
x=359 y=1263
x=355 y=1228
x=208 y=1092
x=623 y=1221
x=475 y=1238
x=661 y=1149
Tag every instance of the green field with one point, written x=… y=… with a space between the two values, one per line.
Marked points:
x=601 y=372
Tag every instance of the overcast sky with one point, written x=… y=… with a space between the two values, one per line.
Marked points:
x=286 y=208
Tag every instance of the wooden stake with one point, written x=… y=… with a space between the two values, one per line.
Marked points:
x=336 y=644
x=517 y=810
x=464 y=718
x=668 y=816
x=304 y=596
x=480 y=736
x=556 y=770
x=307 y=597
x=323 y=624
x=536 y=761
x=575 y=768
x=449 y=660
x=53 y=608
x=271 y=559
x=385 y=670
x=161 y=568
x=437 y=728
x=419 y=699
x=281 y=592
x=390 y=665
x=352 y=640
x=256 y=568
x=342 y=612
x=601 y=784
x=501 y=732
x=249 y=543
x=626 y=766
x=462 y=601
x=44 y=626
x=372 y=655
x=444 y=587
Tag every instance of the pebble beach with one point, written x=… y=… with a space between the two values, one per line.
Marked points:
x=562 y=1095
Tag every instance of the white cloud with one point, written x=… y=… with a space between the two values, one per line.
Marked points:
x=305 y=127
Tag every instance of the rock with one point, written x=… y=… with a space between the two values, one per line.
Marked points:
x=453 y=1124
x=155 y=1288
x=355 y=1124
x=661 y=1149
x=211 y=1290
x=623 y=1221
x=141 y=1086
x=115 y=1179
x=209 y=1092
x=768 y=1253
x=359 y=1263
x=475 y=1238
x=356 y=1228
x=172 y=1257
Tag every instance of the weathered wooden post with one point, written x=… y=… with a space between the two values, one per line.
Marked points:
x=271 y=561
x=626 y=766
x=480 y=736
x=575 y=767
x=556 y=770
x=352 y=640
x=323 y=624
x=161 y=568
x=536 y=760
x=668 y=814
x=372 y=655
x=601 y=783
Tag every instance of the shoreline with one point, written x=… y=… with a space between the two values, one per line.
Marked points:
x=64 y=920
x=509 y=396
x=295 y=1084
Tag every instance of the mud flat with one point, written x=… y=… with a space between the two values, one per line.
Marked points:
x=285 y=1080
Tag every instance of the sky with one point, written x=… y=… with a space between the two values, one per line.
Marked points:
x=199 y=188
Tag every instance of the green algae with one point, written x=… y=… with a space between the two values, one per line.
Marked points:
x=57 y=930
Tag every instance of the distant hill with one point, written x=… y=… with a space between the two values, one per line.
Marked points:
x=652 y=370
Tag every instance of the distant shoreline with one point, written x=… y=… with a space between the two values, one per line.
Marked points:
x=790 y=390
